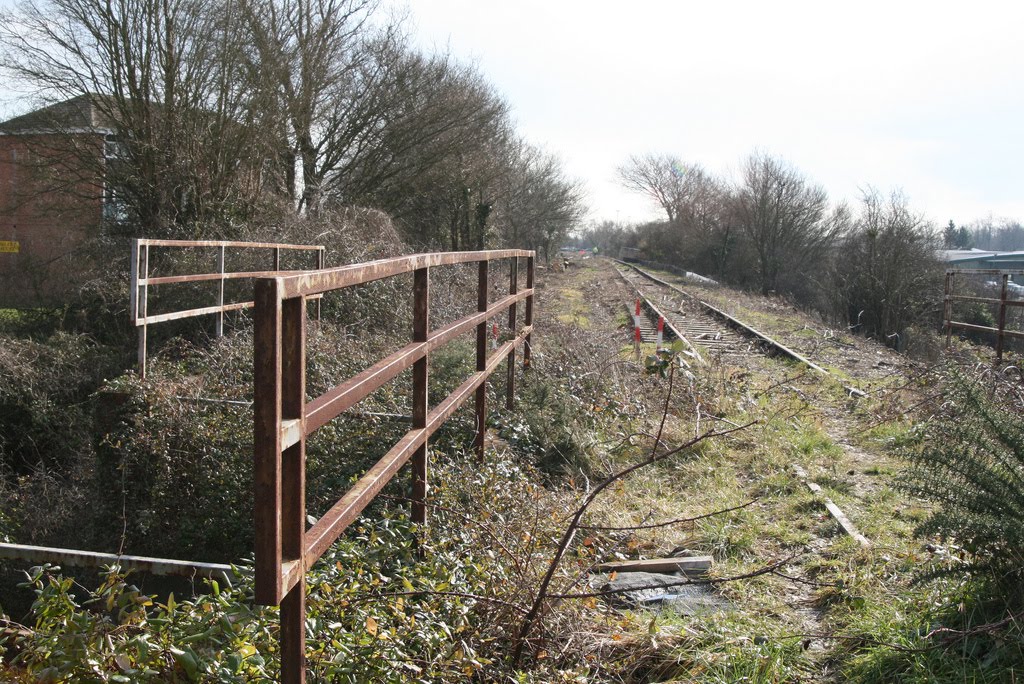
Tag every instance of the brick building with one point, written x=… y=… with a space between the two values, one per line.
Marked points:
x=51 y=199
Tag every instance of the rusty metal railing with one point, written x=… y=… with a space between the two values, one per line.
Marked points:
x=1004 y=301
x=283 y=419
x=138 y=306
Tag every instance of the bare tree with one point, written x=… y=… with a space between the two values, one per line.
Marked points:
x=785 y=219
x=541 y=205
x=887 y=271
x=445 y=143
x=166 y=77
x=320 y=67
x=663 y=178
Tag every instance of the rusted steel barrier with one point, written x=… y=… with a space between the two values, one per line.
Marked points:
x=140 y=281
x=1004 y=301
x=283 y=419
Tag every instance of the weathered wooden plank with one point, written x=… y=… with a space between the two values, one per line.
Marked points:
x=691 y=566
x=832 y=508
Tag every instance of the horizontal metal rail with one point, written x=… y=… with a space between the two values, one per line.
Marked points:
x=986 y=329
x=985 y=300
x=316 y=282
x=283 y=418
x=138 y=306
x=986 y=271
x=228 y=243
x=93 y=559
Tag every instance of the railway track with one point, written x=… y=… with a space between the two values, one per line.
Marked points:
x=683 y=320
x=702 y=326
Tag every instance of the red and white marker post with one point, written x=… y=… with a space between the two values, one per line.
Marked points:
x=661 y=332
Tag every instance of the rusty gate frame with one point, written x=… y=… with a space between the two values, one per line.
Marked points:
x=1001 y=332
x=283 y=419
x=138 y=304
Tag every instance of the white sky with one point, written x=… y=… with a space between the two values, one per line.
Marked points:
x=923 y=96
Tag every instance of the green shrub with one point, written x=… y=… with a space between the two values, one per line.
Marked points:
x=45 y=416
x=969 y=460
x=380 y=607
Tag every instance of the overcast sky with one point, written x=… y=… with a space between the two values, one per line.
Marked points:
x=923 y=96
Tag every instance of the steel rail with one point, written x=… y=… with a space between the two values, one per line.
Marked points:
x=668 y=323
x=332 y=403
x=742 y=327
x=326 y=530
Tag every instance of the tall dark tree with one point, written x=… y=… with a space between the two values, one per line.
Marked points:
x=887 y=272
x=785 y=219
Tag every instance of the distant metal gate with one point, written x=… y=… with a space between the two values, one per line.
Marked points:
x=283 y=419
x=1004 y=301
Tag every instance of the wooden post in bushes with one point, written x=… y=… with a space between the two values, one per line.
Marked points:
x=948 y=313
x=220 y=292
x=143 y=305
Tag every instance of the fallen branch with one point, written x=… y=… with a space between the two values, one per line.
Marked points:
x=650 y=526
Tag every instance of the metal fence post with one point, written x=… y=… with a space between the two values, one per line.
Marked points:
x=528 y=321
x=420 y=330
x=320 y=261
x=513 y=288
x=267 y=440
x=143 y=304
x=293 y=488
x=220 y=292
x=949 y=309
x=133 y=281
x=481 y=360
x=1002 y=319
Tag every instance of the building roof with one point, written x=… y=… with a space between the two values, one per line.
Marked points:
x=981 y=258
x=951 y=256
x=77 y=114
